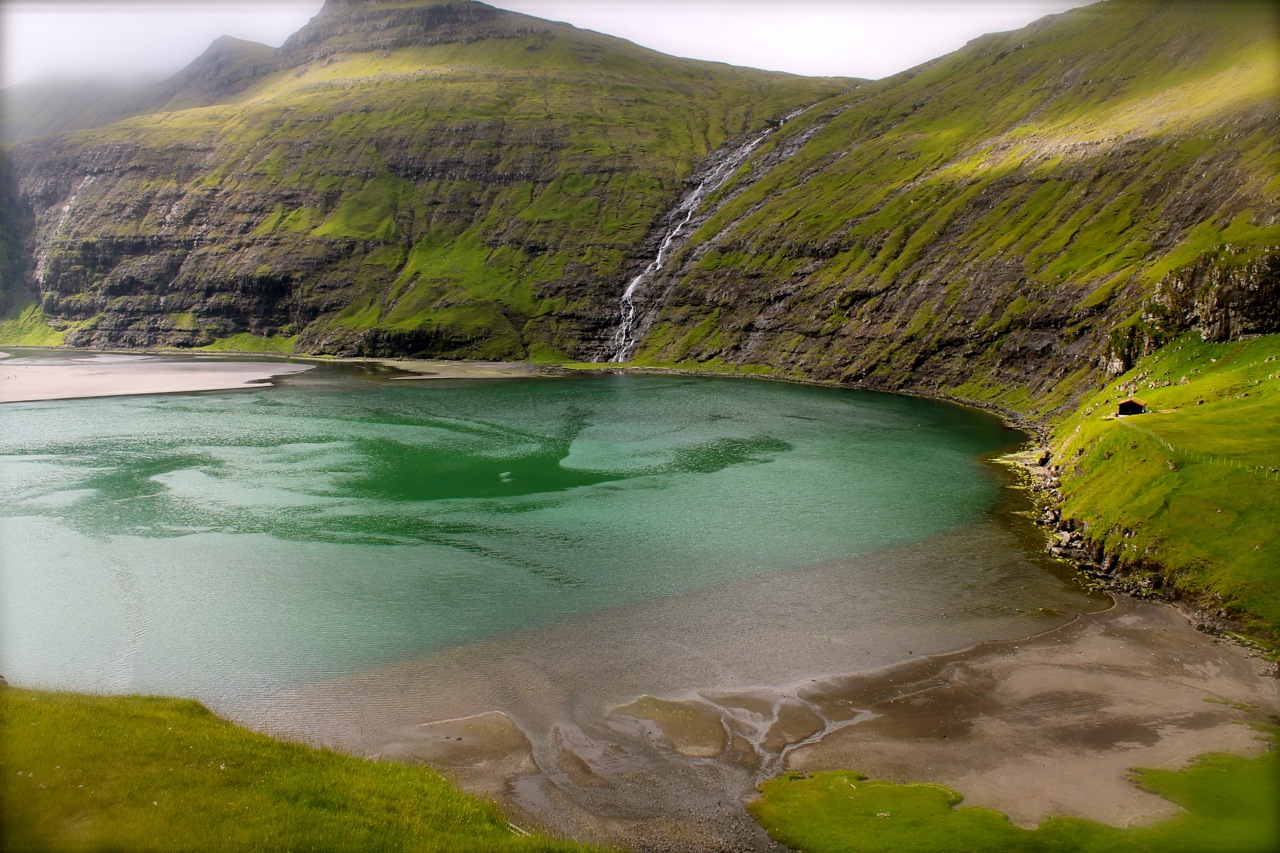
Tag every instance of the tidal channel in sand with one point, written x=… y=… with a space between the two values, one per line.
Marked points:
x=611 y=728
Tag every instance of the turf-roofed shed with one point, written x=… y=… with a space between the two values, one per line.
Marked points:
x=1131 y=406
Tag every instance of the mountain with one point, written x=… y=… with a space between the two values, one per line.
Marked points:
x=448 y=178
x=38 y=109
x=999 y=223
x=398 y=178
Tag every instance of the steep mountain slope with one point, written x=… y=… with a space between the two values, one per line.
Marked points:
x=992 y=224
x=438 y=177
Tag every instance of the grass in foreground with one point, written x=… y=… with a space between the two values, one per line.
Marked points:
x=1193 y=487
x=143 y=773
x=1231 y=805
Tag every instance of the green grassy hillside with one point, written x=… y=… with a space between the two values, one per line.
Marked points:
x=419 y=177
x=1190 y=490
x=144 y=773
x=979 y=226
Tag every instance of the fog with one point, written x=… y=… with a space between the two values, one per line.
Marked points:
x=853 y=38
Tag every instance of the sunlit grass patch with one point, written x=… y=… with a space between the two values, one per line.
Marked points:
x=143 y=773
x=27 y=328
x=1194 y=485
x=246 y=342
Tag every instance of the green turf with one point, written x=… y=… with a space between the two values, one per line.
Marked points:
x=26 y=327
x=143 y=773
x=1230 y=802
x=1193 y=487
x=247 y=343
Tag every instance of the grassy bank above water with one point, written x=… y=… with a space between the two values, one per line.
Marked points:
x=144 y=773
x=1191 y=489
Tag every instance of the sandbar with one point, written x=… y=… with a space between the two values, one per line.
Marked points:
x=418 y=369
x=1051 y=725
x=65 y=376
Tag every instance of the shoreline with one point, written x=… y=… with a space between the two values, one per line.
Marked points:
x=56 y=374
x=1051 y=724
x=78 y=376
x=1101 y=569
x=1047 y=724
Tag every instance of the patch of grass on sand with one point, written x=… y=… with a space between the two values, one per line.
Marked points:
x=1230 y=805
x=1193 y=486
x=143 y=773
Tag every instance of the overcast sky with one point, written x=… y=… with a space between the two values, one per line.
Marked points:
x=854 y=38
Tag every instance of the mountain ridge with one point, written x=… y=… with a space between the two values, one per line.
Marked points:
x=1034 y=116
x=1058 y=152
x=376 y=158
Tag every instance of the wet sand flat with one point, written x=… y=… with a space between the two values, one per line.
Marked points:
x=64 y=377
x=76 y=375
x=1051 y=725
x=1034 y=727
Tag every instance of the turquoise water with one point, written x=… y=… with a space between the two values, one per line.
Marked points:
x=251 y=540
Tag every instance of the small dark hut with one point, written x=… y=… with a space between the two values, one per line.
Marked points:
x=1131 y=406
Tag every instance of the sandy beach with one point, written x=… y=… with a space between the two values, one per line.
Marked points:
x=69 y=375
x=1035 y=727
x=72 y=375
x=1051 y=725
x=65 y=376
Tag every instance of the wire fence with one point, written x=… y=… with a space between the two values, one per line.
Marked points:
x=1267 y=472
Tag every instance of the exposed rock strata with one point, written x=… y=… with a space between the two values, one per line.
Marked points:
x=463 y=201
x=1007 y=223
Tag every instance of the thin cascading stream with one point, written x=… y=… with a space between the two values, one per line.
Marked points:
x=624 y=338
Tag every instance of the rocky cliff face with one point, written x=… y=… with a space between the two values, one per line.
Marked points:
x=14 y=223
x=1223 y=297
x=982 y=225
x=446 y=178
x=399 y=178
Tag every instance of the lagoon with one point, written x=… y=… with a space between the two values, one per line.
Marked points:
x=563 y=591
x=233 y=543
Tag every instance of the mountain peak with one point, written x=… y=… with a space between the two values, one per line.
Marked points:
x=372 y=25
x=226 y=67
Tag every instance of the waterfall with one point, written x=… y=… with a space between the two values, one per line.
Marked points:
x=722 y=169
x=42 y=255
